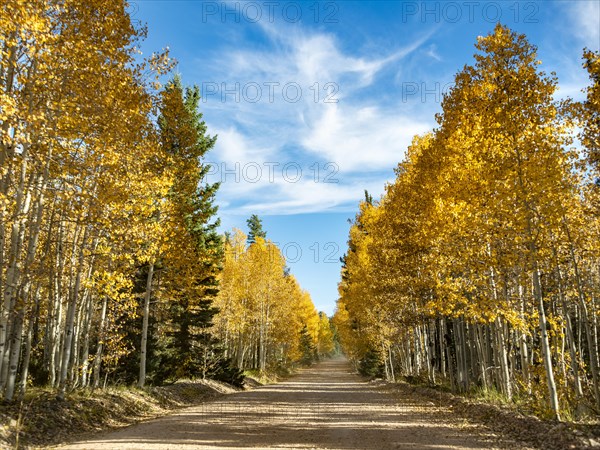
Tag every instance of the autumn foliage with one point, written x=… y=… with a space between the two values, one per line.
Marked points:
x=478 y=267
x=110 y=257
x=265 y=318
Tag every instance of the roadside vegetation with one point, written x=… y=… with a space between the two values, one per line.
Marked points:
x=477 y=271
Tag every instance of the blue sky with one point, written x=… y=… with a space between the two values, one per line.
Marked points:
x=314 y=102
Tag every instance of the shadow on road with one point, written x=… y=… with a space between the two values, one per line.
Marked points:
x=325 y=406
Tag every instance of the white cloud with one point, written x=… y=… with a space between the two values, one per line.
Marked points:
x=233 y=146
x=358 y=137
x=574 y=88
x=581 y=29
x=354 y=133
x=432 y=52
x=305 y=196
x=586 y=15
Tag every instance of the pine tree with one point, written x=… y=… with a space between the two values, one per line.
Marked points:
x=255 y=229
x=307 y=347
x=194 y=254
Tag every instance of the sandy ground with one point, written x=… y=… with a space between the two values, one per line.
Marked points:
x=325 y=406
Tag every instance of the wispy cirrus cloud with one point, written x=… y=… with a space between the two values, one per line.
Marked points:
x=586 y=21
x=579 y=26
x=361 y=136
x=336 y=119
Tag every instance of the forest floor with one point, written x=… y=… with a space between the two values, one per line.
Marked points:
x=42 y=420
x=328 y=406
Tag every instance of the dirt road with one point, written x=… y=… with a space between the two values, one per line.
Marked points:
x=325 y=406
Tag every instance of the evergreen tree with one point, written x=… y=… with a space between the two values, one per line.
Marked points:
x=371 y=364
x=195 y=252
x=255 y=229
x=307 y=347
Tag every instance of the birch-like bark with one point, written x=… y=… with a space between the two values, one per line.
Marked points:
x=100 y=348
x=70 y=319
x=547 y=356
